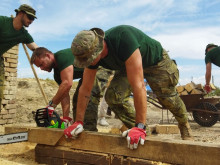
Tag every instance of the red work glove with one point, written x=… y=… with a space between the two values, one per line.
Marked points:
x=50 y=110
x=73 y=130
x=207 y=88
x=134 y=136
x=67 y=121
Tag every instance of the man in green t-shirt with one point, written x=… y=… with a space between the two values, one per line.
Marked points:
x=61 y=63
x=12 y=32
x=212 y=53
x=129 y=50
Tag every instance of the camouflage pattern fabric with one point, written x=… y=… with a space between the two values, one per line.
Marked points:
x=103 y=76
x=91 y=114
x=2 y=79
x=162 y=79
x=118 y=98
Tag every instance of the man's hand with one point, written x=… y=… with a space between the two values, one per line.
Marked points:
x=73 y=130
x=134 y=136
x=207 y=88
x=50 y=110
x=67 y=121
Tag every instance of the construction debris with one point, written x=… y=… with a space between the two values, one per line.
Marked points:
x=192 y=88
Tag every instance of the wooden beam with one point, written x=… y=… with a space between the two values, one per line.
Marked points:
x=170 y=151
x=59 y=155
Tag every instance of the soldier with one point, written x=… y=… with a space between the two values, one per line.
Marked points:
x=64 y=74
x=133 y=53
x=212 y=53
x=12 y=33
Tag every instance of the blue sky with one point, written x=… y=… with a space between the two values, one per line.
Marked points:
x=184 y=27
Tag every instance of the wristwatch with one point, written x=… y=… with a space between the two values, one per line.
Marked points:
x=52 y=104
x=140 y=125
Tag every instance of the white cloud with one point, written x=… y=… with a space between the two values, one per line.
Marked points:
x=189 y=43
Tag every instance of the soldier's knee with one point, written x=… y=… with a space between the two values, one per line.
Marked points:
x=110 y=96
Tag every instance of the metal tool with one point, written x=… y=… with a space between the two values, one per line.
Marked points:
x=13 y=138
x=43 y=119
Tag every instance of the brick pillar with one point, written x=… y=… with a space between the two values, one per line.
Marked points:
x=8 y=112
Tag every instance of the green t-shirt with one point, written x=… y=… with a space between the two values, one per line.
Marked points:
x=10 y=37
x=65 y=58
x=213 y=56
x=122 y=41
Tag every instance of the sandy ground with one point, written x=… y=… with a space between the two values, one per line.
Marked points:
x=29 y=99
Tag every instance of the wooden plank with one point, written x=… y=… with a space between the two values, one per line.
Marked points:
x=184 y=93
x=180 y=89
x=196 y=91
x=199 y=86
x=189 y=87
x=59 y=155
x=170 y=151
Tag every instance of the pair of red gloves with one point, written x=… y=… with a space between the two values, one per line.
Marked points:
x=134 y=135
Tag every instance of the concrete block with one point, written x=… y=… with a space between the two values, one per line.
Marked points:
x=14 y=61
x=10 y=106
x=10 y=121
x=2 y=121
x=13 y=65
x=6 y=55
x=13 y=111
x=13 y=70
x=3 y=112
x=167 y=129
x=8 y=116
x=4 y=101
x=6 y=63
x=14 y=56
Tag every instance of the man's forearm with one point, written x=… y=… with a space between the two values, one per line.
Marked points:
x=65 y=103
x=61 y=93
x=140 y=103
x=208 y=73
x=83 y=100
x=208 y=78
x=32 y=46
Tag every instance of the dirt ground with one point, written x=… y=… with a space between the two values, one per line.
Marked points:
x=29 y=99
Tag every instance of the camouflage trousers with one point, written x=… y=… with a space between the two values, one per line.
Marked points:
x=118 y=98
x=163 y=79
x=2 y=79
x=91 y=114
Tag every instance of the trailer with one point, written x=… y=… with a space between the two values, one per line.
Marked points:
x=205 y=110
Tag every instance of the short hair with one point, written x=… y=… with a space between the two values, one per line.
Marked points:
x=39 y=52
x=211 y=45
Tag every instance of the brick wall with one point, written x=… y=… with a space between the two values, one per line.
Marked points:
x=8 y=107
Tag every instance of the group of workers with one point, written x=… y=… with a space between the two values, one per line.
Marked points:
x=124 y=53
